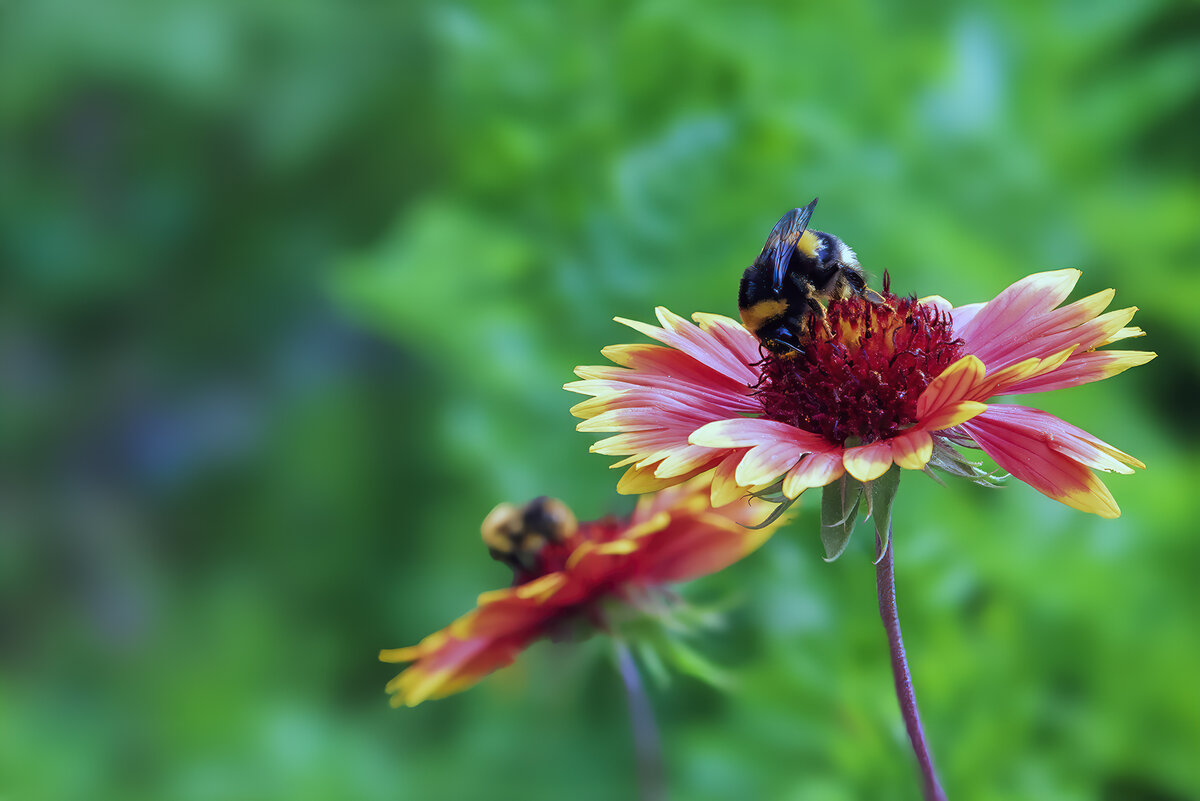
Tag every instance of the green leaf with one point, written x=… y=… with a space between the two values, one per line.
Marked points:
x=839 y=508
x=882 y=493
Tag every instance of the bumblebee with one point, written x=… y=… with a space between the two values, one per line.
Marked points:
x=515 y=535
x=798 y=272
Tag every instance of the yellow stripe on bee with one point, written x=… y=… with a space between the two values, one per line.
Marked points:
x=754 y=316
x=808 y=244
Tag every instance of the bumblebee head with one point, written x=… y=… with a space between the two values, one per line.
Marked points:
x=781 y=338
x=832 y=250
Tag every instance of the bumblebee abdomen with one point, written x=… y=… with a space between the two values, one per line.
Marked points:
x=755 y=291
x=755 y=315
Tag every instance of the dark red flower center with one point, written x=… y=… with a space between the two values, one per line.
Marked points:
x=863 y=368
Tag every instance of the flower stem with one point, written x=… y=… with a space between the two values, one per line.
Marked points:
x=646 y=742
x=885 y=583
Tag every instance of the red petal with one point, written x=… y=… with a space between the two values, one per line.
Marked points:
x=1028 y=455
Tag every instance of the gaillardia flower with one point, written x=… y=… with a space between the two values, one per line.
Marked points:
x=899 y=382
x=564 y=573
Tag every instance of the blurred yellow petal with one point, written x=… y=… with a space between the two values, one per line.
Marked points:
x=542 y=588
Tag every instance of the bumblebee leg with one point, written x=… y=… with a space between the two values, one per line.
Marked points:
x=819 y=310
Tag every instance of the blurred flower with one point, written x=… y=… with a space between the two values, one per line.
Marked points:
x=563 y=572
x=899 y=382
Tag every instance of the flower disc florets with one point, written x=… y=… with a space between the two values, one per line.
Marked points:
x=862 y=371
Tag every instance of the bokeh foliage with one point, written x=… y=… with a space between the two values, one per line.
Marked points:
x=290 y=290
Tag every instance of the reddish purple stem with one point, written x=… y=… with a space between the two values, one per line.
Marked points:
x=885 y=583
x=647 y=745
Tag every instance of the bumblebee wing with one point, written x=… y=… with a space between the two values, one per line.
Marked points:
x=783 y=237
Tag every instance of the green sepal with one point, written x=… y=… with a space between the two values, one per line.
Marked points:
x=882 y=492
x=650 y=658
x=659 y=632
x=839 y=508
x=690 y=662
x=781 y=508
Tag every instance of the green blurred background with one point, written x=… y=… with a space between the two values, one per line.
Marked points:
x=290 y=291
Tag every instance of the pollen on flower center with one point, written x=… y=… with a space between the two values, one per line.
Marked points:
x=862 y=370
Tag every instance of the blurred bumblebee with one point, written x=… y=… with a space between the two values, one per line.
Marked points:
x=516 y=535
x=798 y=272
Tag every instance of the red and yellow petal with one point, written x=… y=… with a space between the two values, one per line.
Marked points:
x=989 y=330
x=730 y=334
x=814 y=470
x=764 y=463
x=673 y=535
x=1000 y=382
x=746 y=432
x=458 y=665
x=725 y=489
x=686 y=461
x=676 y=332
x=657 y=396
x=1017 y=326
x=1063 y=437
x=1084 y=368
x=762 y=451
x=455 y=658
x=913 y=449
x=655 y=367
x=952 y=386
x=868 y=462
x=952 y=415
x=703 y=545
x=640 y=480
x=1030 y=454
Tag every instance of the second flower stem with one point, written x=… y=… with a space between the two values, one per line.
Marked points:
x=646 y=742
x=885 y=584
